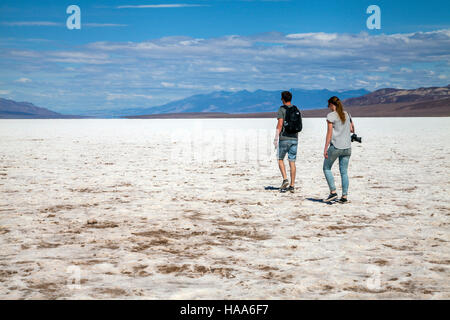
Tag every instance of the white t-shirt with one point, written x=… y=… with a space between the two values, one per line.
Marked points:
x=341 y=138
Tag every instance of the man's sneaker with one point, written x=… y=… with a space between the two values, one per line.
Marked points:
x=290 y=189
x=331 y=197
x=343 y=200
x=284 y=184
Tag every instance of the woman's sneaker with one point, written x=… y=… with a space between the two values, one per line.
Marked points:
x=284 y=184
x=290 y=189
x=343 y=200
x=331 y=197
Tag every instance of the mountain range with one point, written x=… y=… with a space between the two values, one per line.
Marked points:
x=421 y=102
x=433 y=101
x=387 y=96
x=10 y=109
x=245 y=101
x=388 y=102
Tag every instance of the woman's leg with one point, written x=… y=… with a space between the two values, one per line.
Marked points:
x=327 y=164
x=343 y=166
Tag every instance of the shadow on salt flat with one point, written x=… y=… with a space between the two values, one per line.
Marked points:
x=321 y=201
x=271 y=188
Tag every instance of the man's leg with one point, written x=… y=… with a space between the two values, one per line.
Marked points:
x=282 y=150
x=292 y=156
x=282 y=169
x=293 y=171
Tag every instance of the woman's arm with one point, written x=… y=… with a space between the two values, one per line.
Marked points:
x=328 y=138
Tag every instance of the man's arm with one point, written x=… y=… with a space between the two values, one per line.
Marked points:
x=278 y=131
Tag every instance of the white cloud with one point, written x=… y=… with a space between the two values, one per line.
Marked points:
x=78 y=57
x=190 y=86
x=221 y=69
x=117 y=96
x=103 y=25
x=147 y=6
x=5 y=92
x=23 y=54
x=23 y=80
x=57 y=24
x=32 y=24
x=168 y=84
x=133 y=71
x=320 y=36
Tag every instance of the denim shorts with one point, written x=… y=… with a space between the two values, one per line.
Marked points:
x=289 y=147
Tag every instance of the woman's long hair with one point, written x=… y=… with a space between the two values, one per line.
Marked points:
x=339 y=107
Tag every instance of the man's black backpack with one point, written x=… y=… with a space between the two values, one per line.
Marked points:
x=292 y=121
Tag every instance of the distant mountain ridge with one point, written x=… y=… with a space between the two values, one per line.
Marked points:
x=433 y=101
x=246 y=102
x=421 y=102
x=10 y=109
x=389 y=95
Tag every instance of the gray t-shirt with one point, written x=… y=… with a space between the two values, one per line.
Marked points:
x=282 y=115
x=341 y=138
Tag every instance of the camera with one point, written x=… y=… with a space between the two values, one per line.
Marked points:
x=356 y=138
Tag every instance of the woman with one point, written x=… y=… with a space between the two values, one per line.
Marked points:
x=337 y=145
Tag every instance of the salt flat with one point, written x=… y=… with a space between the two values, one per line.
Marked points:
x=177 y=209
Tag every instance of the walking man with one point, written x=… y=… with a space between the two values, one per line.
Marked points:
x=286 y=138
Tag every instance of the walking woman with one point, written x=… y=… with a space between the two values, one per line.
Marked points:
x=337 y=145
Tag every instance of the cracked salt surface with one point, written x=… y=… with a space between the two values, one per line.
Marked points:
x=130 y=209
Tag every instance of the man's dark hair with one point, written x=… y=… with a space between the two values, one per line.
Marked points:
x=286 y=96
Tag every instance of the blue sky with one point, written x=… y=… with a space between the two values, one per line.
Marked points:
x=144 y=53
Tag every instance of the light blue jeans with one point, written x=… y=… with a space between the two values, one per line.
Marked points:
x=344 y=158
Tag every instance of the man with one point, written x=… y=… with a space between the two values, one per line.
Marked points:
x=286 y=140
